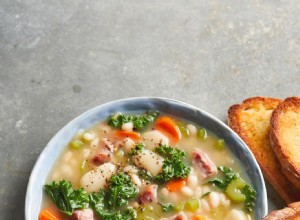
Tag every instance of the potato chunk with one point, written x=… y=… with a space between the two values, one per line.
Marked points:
x=150 y=161
x=96 y=179
x=153 y=138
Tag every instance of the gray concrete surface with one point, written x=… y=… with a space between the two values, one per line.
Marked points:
x=60 y=58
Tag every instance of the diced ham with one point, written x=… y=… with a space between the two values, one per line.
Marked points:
x=83 y=214
x=102 y=157
x=204 y=164
x=149 y=194
x=180 y=216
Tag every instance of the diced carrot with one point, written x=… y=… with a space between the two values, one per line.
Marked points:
x=47 y=214
x=130 y=134
x=175 y=185
x=198 y=217
x=168 y=126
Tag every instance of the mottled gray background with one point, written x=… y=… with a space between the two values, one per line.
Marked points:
x=60 y=58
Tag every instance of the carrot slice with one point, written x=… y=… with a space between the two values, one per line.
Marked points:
x=175 y=185
x=166 y=125
x=46 y=214
x=130 y=134
x=198 y=217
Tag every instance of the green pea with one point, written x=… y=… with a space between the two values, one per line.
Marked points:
x=76 y=144
x=220 y=144
x=192 y=205
x=202 y=134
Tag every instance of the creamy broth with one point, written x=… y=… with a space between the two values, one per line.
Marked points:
x=213 y=203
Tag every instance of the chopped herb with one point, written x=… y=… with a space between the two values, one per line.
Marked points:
x=173 y=166
x=138 y=148
x=120 y=190
x=139 y=121
x=146 y=175
x=247 y=191
x=97 y=202
x=205 y=194
x=167 y=207
x=250 y=194
x=229 y=175
x=66 y=198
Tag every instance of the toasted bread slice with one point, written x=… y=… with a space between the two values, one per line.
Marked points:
x=251 y=121
x=292 y=212
x=285 y=137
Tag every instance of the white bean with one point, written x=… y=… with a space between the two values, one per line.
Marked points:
x=214 y=199
x=149 y=160
x=235 y=215
x=94 y=143
x=153 y=138
x=165 y=192
x=192 y=180
x=192 y=129
x=128 y=144
x=205 y=189
x=86 y=153
x=127 y=126
x=205 y=205
x=224 y=201
x=130 y=169
x=88 y=136
x=136 y=180
x=95 y=180
x=66 y=170
x=187 y=191
x=198 y=191
x=67 y=156
x=104 y=128
x=173 y=196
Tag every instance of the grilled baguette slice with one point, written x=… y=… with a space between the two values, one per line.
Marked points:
x=285 y=137
x=288 y=213
x=251 y=121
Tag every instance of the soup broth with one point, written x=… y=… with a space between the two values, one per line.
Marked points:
x=193 y=189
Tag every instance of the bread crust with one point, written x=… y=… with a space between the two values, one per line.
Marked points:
x=285 y=120
x=251 y=121
x=288 y=213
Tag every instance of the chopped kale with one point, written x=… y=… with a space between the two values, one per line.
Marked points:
x=138 y=148
x=120 y=190
x=228 y=176
x=66 y=198
x=222 y=182
x=139 y=121
x=173 y=165
x=167 y=207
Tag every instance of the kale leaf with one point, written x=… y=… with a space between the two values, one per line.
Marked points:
x=146 y=175
x=121 y=190
x=139 y=121
x=138 y=148
x=229 y=175
x=167 y=207
x=66 y=198
x=97 y=202
x=250 y=194
x=173 y=165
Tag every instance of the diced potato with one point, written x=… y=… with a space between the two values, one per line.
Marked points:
x=153 y=138
x=150 y=161
x=96 y=179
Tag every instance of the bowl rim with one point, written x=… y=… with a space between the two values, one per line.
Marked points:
x=48 y=147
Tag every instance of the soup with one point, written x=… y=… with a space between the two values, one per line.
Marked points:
x=147 y=166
